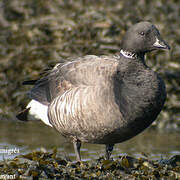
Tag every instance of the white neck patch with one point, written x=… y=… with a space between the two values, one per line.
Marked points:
x=128 y=54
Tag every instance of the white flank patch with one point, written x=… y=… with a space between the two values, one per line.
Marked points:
x=39 y=111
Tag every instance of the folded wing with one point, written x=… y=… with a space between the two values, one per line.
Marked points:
x=86 y=71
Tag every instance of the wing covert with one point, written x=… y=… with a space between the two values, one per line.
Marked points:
x=86 y=71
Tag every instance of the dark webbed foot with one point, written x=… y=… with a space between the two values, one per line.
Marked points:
x=77 y=146
x=109 y=149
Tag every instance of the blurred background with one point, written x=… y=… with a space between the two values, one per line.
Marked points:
x=36 y=34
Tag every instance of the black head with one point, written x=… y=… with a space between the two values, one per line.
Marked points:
x=143 y=37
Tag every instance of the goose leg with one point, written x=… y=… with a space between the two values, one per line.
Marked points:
x=77 y=146
x=109 y=149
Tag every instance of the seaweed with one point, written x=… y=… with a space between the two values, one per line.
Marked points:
x=45 y=165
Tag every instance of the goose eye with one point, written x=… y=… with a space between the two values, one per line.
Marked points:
x=142 y=33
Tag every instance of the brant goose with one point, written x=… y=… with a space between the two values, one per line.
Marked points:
x=103 y=99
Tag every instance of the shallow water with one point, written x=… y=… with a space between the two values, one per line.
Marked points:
x=22 y=137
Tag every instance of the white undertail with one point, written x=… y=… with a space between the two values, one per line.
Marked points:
x=38 y=111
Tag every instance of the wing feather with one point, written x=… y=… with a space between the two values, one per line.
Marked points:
x=86 y=71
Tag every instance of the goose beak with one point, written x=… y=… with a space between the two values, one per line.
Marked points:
x=161 y=44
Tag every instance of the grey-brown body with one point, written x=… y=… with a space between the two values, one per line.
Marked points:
x=102 y=104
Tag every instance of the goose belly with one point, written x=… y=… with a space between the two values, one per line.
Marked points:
x=86 y=113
